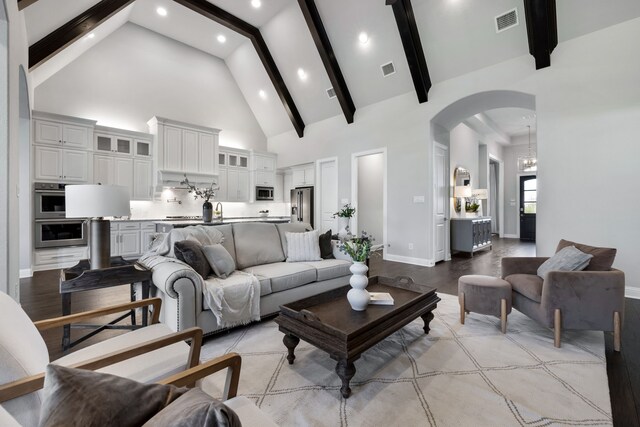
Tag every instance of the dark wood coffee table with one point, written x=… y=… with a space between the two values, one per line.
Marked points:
x=328 y=322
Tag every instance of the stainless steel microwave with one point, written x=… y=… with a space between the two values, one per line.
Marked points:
x=264 y=193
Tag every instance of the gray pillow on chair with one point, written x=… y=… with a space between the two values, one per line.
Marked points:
x=77 y=397
x=567 y=259
x=220 y=260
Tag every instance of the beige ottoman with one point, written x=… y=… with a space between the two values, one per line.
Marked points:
x=485 y=295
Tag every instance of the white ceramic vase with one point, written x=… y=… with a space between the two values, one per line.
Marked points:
x=358 y=296
x=343 y=224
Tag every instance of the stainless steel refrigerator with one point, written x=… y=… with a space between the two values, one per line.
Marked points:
x=302 y=205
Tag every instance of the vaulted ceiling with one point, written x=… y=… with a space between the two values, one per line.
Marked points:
x=457 y=37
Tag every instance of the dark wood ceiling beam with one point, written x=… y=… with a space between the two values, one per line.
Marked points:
x=319 y=34
x=213 y=12
x=24 y=3
x=542 y=30
x=410 y=37
x=73 y=30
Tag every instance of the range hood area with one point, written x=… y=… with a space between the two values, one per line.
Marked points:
x=171 y=179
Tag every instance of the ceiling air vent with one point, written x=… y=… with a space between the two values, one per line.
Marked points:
x=506 y=20
x=331 y=93
x=388 y=69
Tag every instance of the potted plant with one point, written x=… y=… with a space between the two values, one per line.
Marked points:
x=359 y=249
x=344 y=217
x=204 y=193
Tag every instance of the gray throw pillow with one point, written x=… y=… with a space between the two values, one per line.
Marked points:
x=567 y=259
x=220 y=260
x=77 y=397
x=195 y=409
x=190 y=252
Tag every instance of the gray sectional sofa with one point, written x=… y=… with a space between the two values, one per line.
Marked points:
x=258 y=248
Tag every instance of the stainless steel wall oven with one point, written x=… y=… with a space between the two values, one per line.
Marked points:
x=52 y=228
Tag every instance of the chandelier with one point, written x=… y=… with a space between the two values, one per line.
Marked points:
x=528 y=163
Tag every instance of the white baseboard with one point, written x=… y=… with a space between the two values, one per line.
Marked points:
x=409 y=260
x=632 y=292
x=510 y=236
x=26 y=272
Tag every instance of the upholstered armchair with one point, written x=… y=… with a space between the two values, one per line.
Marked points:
x=592 y=299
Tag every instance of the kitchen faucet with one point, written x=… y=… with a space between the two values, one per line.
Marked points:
x=219 y=209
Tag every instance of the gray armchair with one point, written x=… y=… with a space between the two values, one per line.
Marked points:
x=592 y=299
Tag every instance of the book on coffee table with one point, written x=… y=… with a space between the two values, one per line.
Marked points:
x=381 y=298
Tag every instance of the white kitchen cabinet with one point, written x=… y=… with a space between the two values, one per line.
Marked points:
x=54 y=258
x=61 y=134
x=127 y=238
x=222 y=193
x=182 y=148
x=147 y=234
x=142 y=148
x=287 y=186
x=142 y=173
x=58 y=164
x=265 y=178
x=278 y=189
x=238 y=185
x=113 y=144
x=264 y=162
x=304 y=176
x=129 y=245
x=112 y=170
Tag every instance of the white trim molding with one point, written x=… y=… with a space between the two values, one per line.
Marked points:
x=409 y=260
x=26 y=272
x=510 y=236
x=632 y=292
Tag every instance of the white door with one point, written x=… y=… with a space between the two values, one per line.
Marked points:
x=123 y=173
x=207 y=153
x=75 y=136
x=232 y=185
x=130 y=243
x=243 y=186
x=48 y=163
x=172 y=149
x=190 y=151
x=328 y=196
x=74 y=166
x=141 y=180
x=441 y=190
x=102 y=169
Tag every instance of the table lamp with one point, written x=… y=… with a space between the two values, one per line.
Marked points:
x=481 y=194
x=96 y=202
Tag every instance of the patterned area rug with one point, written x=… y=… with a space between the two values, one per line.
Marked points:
x=458 y=375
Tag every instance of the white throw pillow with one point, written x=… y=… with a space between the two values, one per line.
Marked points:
x=303 y=246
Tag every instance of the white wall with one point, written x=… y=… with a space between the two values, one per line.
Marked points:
x=588 y=118
x=135 y=74
x=10 y=220
x=370 y=195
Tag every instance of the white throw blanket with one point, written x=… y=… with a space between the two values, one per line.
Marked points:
x=235 y=300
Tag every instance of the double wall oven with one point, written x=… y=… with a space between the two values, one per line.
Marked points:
x=52 y=228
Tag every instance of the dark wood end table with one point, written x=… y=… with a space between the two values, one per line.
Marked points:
x=328 y=322
x=81 y=277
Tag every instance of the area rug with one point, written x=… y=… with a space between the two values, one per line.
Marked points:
x=458 y=375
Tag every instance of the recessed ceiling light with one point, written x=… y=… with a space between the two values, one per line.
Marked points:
x=91 y=35
x=221 y=38
x=302 y=74
x=363 y=37
x=256 y=3
x=262 y=94
x=161 y=11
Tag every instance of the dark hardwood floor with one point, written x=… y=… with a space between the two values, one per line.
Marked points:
x=41 y=300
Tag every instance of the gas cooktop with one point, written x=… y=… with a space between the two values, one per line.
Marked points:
x=174 y=217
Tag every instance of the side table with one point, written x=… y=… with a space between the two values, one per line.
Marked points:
x=81 y=277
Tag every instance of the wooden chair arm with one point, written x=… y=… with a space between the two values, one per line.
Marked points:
x=79 y=317
x=232 y=361
x=36 y=382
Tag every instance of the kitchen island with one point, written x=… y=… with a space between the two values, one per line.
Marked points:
x=165 y=226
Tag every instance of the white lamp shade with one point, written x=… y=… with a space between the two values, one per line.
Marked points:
x=91 y=201
x=462 y=191
x=481 y=193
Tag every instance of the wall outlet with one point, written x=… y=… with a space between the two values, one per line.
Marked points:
x=410 y=246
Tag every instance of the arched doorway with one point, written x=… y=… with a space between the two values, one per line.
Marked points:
x=474 y=112
x=25 y=199
x=4 y=150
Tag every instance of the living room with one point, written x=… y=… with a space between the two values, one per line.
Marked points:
x=138 y=64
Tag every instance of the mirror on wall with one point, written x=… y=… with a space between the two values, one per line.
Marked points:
x=462 y=177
